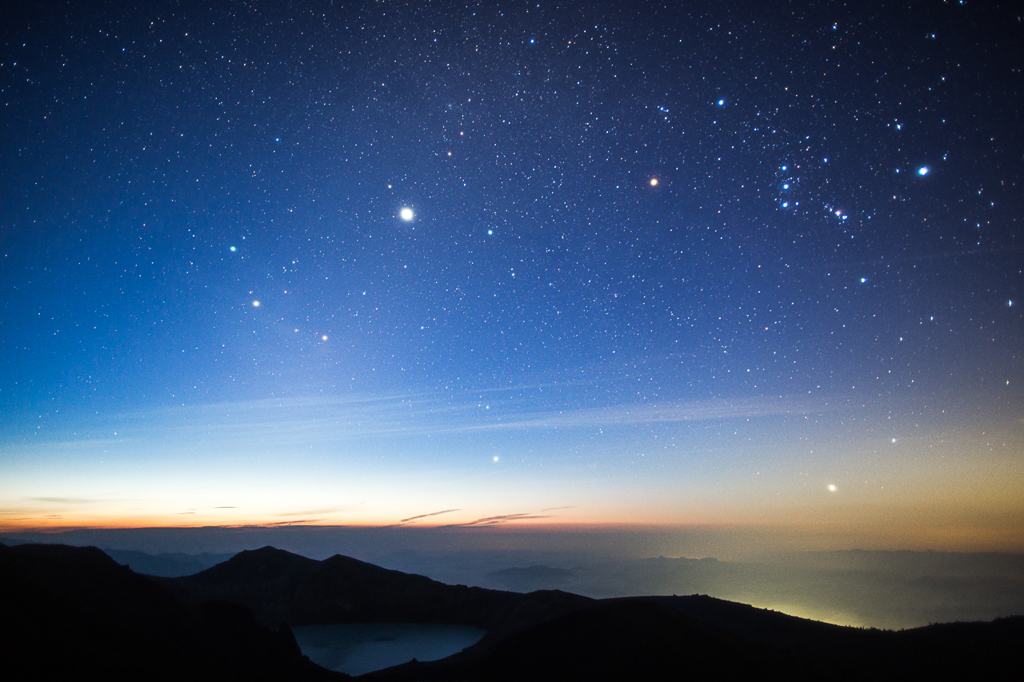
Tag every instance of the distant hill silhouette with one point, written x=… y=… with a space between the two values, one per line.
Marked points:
x=167 y=564
x=74 y=613
x=101 y=617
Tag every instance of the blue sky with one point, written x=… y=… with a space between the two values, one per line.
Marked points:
x=537 y=263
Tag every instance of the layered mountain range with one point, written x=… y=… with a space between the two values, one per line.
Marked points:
x=75 y=611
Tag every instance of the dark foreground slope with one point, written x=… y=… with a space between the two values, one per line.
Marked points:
x=701 y=638
x=74 y=613
x=936 y=652
x=623 y=639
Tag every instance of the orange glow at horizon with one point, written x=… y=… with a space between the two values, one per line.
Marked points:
x=920 y=528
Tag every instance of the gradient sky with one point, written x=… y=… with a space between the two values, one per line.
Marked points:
x=736 y=263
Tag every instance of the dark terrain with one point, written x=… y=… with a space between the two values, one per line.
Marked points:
x=74 y=611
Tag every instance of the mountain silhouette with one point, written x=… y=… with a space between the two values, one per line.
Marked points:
x=280 y=587
x=556 y=635
x=75 y=611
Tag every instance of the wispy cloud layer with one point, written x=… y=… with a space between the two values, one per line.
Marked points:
x=299 y=421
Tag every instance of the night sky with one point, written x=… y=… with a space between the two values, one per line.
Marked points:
x=734 y=263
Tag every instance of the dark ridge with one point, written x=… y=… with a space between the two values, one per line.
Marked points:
x=969 y=648
x=256 y=565
x=668 y=638
x=73 y=612
x=280 y=587
x=623 y=639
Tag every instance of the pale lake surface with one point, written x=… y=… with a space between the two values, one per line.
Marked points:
x=357 y=648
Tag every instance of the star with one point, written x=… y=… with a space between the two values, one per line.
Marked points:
x=406 y=214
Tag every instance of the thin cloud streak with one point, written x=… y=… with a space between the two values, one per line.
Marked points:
x=626 y=415
x=423 y=516
x=496 y=520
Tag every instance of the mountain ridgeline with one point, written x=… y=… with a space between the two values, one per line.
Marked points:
x=75 y=611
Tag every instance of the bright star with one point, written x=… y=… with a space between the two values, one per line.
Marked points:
x=832 y=488
x=495 y=458
x=721 y=102
x=406 y=214
x=255 y=304
x=232 y=248
x=324 y=337
x=654 y=182
x=863 y=280
x=923 y=171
